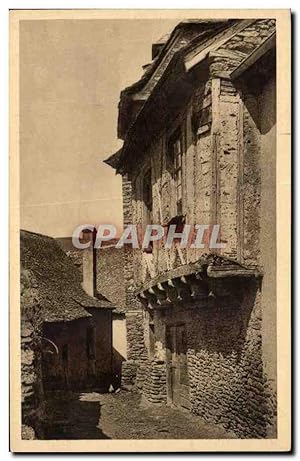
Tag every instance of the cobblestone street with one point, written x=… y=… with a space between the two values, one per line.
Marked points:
x=122 y=416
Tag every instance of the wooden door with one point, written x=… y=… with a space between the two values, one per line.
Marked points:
x=177 y=367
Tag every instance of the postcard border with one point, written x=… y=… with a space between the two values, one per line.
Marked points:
x=283 y=184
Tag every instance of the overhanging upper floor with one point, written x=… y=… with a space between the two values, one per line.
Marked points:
x=206 y=280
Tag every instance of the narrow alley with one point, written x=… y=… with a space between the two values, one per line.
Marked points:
x=121 y=416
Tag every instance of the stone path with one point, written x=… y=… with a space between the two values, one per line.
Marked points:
x=121 y=416
x=125 y=416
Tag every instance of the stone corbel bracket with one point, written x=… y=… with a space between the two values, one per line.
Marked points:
x=203 y=287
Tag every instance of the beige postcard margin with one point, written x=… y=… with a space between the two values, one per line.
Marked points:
x=283 y=207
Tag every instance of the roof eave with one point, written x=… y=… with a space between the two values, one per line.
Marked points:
x=191 y=62
x=265 y=46
x=113 y=160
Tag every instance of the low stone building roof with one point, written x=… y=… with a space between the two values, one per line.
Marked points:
x=56 y=282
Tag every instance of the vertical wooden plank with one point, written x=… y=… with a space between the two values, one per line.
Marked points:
x=215 y=134
x=240 y=191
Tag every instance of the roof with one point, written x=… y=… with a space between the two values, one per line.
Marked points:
x=159 y=44
x=113 y=160
x=52 y=278
x=217 y=47
x=182 y=36
x=263 y=49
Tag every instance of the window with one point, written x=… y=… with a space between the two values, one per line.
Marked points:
x=175 y=151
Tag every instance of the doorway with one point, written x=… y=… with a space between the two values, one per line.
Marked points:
x=177 y=367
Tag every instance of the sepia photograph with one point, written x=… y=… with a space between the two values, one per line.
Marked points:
x=146 y=211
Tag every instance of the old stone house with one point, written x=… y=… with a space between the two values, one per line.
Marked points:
x=66 y=335
x=199 y=131
x=102 y=272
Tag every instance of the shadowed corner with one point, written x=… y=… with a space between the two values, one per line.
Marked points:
x=72 y=416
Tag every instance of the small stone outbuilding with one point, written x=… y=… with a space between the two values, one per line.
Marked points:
x=102 y=271
x=66 y=335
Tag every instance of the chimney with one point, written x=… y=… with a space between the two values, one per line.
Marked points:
x=89 y=263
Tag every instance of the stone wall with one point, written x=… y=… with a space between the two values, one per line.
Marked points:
x=110 y=275
x=225 y=363
x=130 y=216
x=31 y=379
x=155 y=381
x=135 y=335
x=32 y=392
x=129 y=371
x=136 y=350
